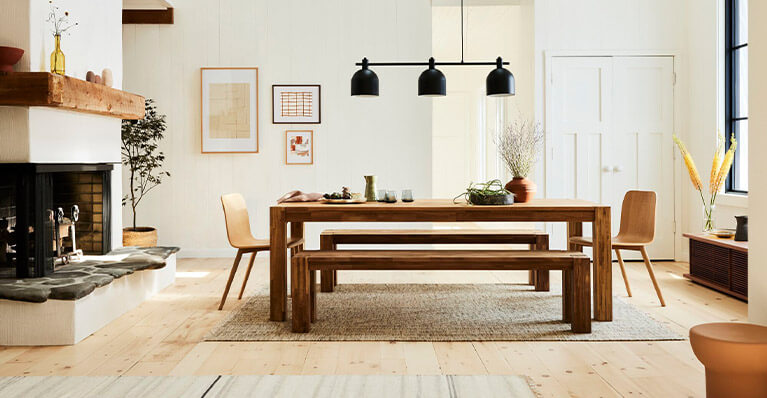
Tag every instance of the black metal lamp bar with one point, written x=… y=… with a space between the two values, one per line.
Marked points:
x=427 y=64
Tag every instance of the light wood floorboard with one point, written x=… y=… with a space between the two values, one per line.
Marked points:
x=163 y=336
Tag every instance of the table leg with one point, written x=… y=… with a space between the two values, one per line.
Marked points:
x=603 y=271
x=297 y=231
x=278 y=275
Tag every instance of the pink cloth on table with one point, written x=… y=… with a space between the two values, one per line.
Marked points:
x=298 y=196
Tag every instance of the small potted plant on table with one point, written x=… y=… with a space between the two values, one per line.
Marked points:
x=143 y=160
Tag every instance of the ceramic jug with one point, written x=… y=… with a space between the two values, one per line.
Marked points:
x=741 y=230
x=370 y=188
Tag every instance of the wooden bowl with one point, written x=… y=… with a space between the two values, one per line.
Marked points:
x=9 y=56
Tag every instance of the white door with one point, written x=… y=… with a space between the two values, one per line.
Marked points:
x=609 y=122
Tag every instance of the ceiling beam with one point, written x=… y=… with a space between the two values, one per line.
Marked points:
x=148 y=16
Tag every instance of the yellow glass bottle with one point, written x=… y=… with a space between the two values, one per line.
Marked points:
x=57 y=58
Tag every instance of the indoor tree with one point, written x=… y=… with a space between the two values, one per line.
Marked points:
x=141 y=156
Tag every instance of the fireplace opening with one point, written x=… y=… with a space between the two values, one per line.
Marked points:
x=50 y=213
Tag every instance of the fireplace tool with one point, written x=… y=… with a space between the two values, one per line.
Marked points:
x=58 y=219
x=75 y=254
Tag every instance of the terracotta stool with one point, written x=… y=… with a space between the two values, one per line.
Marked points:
x=735 y=357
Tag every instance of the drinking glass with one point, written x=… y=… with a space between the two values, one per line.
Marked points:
x=381 y=196
x=391 y=196
x=407 y=195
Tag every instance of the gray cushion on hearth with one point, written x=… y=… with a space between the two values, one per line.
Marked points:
x=77 y=280
x=72 y=292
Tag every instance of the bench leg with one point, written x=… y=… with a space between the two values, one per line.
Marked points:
x=581 y=293
x=542 y=276
x=327 y=276
x=567 y=295
x=313 y=294
x=300 y=286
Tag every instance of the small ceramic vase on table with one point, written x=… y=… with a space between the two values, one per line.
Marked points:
x=522 y=188
x=370 y=188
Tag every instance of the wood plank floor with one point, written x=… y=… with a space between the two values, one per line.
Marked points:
x=164 y=335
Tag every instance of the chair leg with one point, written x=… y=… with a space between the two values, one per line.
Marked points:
x=231 y=278
x=623 y=271
x=313 y=294
x=652 y=275
x=247 y=274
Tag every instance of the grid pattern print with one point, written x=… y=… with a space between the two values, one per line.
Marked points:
x=296 y=103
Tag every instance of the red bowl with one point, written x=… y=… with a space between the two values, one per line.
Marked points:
x=9 y=56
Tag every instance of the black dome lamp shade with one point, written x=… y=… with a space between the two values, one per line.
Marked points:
x=432 y=82
x=365 y=82
x=500 y=82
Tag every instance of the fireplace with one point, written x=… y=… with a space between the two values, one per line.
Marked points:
x=37 y=220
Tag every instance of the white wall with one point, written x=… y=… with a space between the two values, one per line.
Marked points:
x=757 y=104
x=295 y=41
x=464 y=122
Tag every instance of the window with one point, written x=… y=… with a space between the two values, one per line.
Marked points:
x=736 y=90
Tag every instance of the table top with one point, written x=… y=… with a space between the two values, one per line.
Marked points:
x=559 y=204
x=729 y=243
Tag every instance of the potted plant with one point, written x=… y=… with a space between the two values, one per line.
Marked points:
x=143 y=161
x=519 y=144
x=486 y=193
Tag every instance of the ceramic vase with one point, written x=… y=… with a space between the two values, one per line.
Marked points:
x=522 y=188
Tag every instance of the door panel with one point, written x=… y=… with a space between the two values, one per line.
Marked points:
x=643 y=121
x=609 y=122
x=577 y=121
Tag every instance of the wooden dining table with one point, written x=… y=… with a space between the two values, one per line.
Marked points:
x=571 y=211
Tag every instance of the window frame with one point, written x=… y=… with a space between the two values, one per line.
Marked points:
x=731 y=92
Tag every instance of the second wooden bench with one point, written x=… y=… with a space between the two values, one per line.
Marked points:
x=576 y=287
x=536 y=240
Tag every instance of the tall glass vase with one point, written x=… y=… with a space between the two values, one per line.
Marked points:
x=57 y=58
x=709 y=222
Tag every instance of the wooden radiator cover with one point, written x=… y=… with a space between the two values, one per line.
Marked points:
x=719 y=267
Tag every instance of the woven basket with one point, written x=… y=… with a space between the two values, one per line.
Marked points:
x=140 y=236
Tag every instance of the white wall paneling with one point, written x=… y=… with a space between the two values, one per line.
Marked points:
x=291 y=42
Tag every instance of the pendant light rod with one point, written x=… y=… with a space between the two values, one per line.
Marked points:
x=427 y=64
x=461 y=31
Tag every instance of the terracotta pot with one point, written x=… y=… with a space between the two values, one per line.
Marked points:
x=9 y=56
x=522 y=188
x=140 y=236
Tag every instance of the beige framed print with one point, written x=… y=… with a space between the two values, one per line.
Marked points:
x=229 y=111
x=296 y=104
x=299 y=147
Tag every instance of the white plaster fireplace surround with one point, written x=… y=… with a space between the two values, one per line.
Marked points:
x=47 y=135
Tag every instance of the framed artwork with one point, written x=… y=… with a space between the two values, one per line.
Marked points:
x=229 y=110
x=296 y=104
x=299 y=147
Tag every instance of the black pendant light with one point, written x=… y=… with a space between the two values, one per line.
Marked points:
x=500 y=82
x=432 y=82
x=365 y=82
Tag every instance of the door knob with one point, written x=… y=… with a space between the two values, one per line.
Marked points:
x=606 y=169
x=617 y=169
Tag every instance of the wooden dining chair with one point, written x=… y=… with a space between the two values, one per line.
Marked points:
x=240 y=237
x=637 y=230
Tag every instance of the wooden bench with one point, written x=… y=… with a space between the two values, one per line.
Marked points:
x=576 y=288
x=536 y=240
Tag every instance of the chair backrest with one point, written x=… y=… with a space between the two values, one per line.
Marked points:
x=237 y=220
x=638 y=217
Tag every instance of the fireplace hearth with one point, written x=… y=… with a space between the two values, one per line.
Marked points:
x=37 y=202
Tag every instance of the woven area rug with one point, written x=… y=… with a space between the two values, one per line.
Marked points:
x=265 y=386
x=436 y=312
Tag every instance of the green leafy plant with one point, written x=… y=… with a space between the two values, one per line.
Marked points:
x=140 y=155
x=480 y=190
